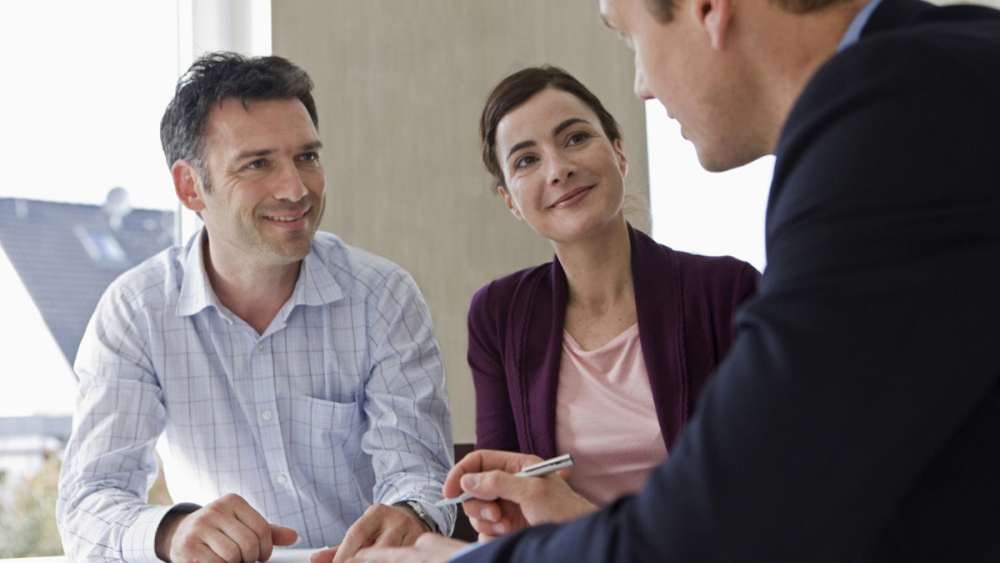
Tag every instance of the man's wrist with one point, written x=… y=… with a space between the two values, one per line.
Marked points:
x=167 y=527
x=414 y=508
x=165 y=533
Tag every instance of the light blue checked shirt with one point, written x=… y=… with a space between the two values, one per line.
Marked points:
x=339 y=404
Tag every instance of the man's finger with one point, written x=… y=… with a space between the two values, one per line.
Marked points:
x=429 y=548
x=245 y=538
x=251 y=520
x=482 y=509
x=485 y=460
x=491 y=528
x=323 y=555
x=410 y=537
x=391 y=536
x=494 y=485
x=360 y=534
x=283 y=536
x=203 y=554
x=223 y=546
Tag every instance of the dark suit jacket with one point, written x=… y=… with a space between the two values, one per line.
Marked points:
x=685 y=305
x=857 y=416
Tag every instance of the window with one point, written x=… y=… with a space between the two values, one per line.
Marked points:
x=86 y=194
x=698 y=211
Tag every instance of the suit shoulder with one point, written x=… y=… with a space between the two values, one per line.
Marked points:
x=938 y=52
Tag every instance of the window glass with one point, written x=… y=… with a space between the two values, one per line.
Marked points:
x=85 y=195
x=698 y=211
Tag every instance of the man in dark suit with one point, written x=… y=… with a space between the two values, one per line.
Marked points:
x=857 y=417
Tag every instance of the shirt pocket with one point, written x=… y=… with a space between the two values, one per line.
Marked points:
x=326 y=441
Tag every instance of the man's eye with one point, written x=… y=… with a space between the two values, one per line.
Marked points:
x=259 y=163
x=309 y=157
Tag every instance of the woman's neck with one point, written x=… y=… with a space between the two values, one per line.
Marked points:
x=599 y=268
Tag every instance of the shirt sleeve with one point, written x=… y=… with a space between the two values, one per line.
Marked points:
x=409 y=434
x=109 y=464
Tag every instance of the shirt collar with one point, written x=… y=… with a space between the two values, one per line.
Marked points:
x=316 y=284
x=196 y=291
x=858 y=25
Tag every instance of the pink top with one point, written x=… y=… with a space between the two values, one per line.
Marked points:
x=605 y=417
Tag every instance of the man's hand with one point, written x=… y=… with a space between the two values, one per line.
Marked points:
x=379 y=526
x=505 y=503
x=430 y=548
x=227 y=530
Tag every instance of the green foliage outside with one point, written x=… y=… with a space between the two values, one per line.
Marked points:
x=28 y=511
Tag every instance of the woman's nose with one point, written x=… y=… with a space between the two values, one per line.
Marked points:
x=560 y=170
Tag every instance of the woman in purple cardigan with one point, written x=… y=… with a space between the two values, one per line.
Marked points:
x=602 y=352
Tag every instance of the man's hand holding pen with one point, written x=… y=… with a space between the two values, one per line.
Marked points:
x=511 y=490
x=505 y=502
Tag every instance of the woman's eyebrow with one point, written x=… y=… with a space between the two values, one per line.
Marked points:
x=559 y=128
x=519 y=146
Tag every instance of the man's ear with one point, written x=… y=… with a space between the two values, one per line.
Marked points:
x=714 y=16
x=187 y=184
x=510 y=203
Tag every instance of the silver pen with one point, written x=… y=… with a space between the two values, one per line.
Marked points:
x=537 y=470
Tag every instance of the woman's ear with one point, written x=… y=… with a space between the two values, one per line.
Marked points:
x=622 y=159
x=714 y=16
x=187 y=184
x=509 y=201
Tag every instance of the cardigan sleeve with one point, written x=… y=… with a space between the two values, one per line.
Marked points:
x=495 y=428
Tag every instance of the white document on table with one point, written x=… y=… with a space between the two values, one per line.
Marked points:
x=283 y=555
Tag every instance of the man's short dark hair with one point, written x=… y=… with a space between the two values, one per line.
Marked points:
x=216 y=77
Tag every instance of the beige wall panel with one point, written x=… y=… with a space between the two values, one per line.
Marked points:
x=399 y=86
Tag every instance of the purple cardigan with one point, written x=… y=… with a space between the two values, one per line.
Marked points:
x=685 y=305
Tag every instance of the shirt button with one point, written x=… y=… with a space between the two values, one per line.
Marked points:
x=266 y=415
x=282 y=479
x=260 y=346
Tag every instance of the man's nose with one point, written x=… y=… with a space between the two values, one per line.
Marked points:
x=289 y=185
x=641 y=88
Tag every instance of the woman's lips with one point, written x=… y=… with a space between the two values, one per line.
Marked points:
x=572 y=198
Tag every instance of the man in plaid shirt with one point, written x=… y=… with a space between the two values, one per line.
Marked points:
x=295 y=381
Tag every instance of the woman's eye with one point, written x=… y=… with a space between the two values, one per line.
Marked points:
x=577 y=138
x=524 y=161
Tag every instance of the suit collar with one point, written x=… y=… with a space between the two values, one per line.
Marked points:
x=891 y=14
